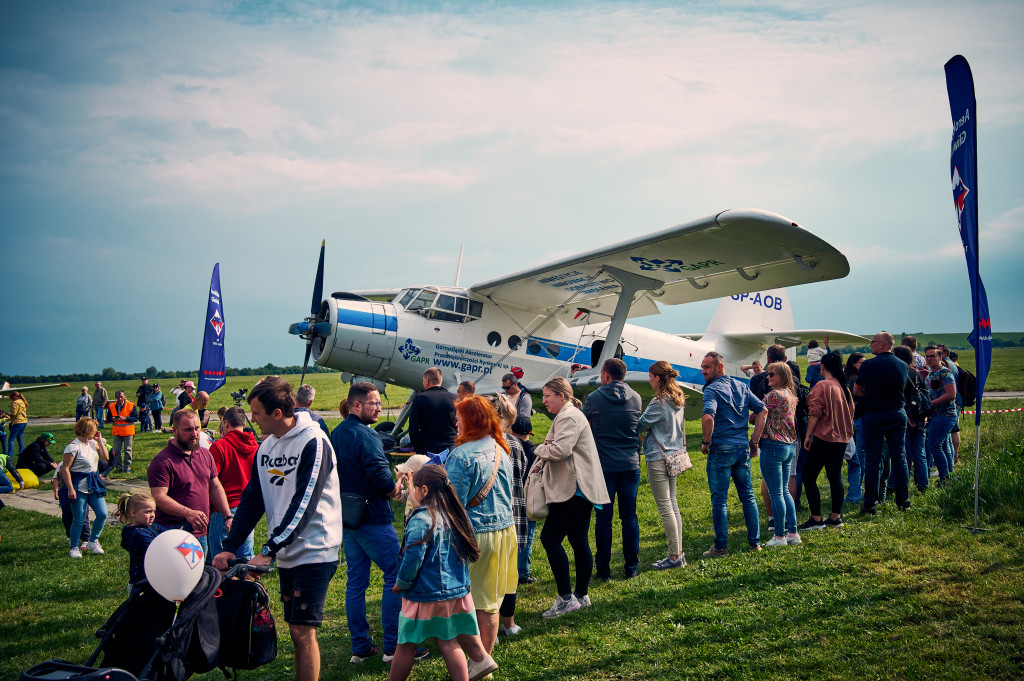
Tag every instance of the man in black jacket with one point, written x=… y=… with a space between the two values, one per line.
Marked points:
x=432 y=416
x=614 y=412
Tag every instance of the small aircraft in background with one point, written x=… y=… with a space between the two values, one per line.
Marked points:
x=567 y=317
x=6 y=390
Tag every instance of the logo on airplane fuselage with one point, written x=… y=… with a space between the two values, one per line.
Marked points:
x=409 y=350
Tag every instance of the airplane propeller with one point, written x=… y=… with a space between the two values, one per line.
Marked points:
x=309 y=329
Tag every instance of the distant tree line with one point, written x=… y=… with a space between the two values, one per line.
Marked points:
x=999 y=340
x=112 y=374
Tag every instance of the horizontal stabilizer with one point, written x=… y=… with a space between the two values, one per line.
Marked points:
x=790 y=339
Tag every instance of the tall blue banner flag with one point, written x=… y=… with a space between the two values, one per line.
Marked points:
x=963 y=165
x=212 y=367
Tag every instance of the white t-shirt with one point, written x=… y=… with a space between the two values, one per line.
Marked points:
x=86 y=461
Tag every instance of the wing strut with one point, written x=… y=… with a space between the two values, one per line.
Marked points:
x=631 y=283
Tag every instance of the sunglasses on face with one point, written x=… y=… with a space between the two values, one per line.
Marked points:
x=769 y=374
x=506 y=388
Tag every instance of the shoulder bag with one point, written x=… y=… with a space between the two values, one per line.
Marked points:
x=536 y=497
x=676 y=461
x=486 y=489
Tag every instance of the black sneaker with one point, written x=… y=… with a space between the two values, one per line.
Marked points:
x=771 y=524
x=812 y=524
x=867 y=510
x=838 y=522
x=372 y=651
x=527 y=579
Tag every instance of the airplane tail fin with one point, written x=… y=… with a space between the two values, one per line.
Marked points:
x=763 y=311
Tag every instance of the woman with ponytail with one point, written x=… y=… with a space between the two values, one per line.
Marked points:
x=666 y=432
x=573 y=485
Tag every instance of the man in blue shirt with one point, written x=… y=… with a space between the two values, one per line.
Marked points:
x=727 y=406
x=363 y=471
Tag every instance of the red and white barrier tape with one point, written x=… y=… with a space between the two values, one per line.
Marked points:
x=997 y=411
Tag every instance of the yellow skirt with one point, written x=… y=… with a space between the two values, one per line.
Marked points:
x=496 y=573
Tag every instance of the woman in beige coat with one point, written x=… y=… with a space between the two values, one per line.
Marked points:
x=573 y=485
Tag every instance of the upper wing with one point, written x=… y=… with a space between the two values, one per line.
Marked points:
x=7 y=389
x=736 y=251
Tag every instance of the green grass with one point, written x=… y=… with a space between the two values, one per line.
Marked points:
x=898 y=596
x=902 y=595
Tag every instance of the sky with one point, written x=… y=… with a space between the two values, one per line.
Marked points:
x=140 y=143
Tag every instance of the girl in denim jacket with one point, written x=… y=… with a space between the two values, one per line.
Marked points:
x=433 y=578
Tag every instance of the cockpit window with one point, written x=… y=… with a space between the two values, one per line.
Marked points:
x=406 y=297
x=450 y=306
x=423 y=301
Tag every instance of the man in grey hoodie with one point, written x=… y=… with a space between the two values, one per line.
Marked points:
x=614 y=412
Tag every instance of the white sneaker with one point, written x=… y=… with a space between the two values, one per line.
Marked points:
x=562 y=606
x=584 y=602
x=75 y=552
x=478 y=670
x=777 y=541
x=94 y=547
x=511 y=631
x=793 y=539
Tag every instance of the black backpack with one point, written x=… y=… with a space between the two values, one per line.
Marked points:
x=967 y=387
x=919 y=405
x=248 y=636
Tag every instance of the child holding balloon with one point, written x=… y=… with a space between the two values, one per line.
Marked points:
x=433 y=578
x=138 y=512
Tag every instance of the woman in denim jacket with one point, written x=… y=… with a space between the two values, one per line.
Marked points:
x=433 y=578
x=666 y=432
x=470 y=466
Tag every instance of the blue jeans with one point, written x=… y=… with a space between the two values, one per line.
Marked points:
x=916 y=454
x=625 y=485
x=776 y=459
x=377 y=544
x=5 y=483
x=16 y=432
x=526 y=550
x=216 y=534
x=99 y=413
x=855 y=467
x=813 y=374
x=98 y=504
x=885 y=428
x=725 y=463
x=801 y=460
x=938 y=436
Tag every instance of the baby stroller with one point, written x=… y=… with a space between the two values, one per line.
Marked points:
x=142 y=640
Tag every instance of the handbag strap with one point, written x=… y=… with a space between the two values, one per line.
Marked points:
x=486 y=489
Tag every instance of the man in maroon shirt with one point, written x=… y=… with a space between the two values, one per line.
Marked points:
x=233 y=454
x=183 y=480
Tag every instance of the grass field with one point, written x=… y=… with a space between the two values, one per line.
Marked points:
x=900 y=595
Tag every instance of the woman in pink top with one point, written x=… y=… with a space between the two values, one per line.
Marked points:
x=829 y=428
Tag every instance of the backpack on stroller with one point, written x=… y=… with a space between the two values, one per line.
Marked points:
x=143 y=640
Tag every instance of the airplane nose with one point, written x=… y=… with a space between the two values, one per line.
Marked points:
x=306 y=328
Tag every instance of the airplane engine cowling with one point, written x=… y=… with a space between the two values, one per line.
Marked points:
x=362 y=338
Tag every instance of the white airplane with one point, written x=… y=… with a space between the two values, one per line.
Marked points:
x=567 y=317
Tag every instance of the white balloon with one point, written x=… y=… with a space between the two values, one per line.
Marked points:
x=174 y=563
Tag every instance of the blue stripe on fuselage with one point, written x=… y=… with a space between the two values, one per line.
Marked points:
x=366 y=319
x=582 y=356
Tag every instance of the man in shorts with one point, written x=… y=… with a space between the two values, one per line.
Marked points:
x=295 y=483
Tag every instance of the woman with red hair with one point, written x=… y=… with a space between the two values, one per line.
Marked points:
x=480 y=470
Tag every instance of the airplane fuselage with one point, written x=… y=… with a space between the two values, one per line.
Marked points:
x=471 y=339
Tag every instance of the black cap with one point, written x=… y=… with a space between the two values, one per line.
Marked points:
x=522 y=426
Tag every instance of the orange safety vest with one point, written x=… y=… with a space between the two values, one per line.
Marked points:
x=122 y=429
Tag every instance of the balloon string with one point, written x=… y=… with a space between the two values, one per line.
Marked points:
x=177 y=606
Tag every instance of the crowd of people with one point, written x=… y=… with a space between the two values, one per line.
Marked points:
x=467 y=540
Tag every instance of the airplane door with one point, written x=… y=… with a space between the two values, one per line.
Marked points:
x=384 y=334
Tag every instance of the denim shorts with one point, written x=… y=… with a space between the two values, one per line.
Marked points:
x=304 y=592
